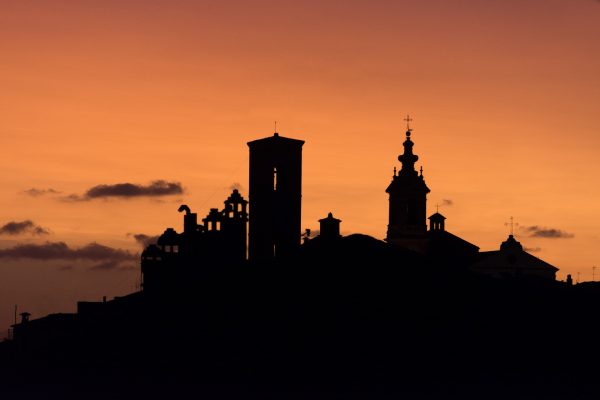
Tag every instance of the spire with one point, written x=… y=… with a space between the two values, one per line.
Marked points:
x=408 y=159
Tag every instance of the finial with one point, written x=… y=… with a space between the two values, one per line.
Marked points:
x=276 y=133
x=408 y=119
x=512 y=225
x=421 y=170
x=394 y=171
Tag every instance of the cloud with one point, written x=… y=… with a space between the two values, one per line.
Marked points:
x=533 y=249
x=547 y=233
x=143 y=239
x=447 y=202
x=105 y=265
x=129 y=190
x=236 y=185
x=61 y=251
x=35 y=192
x=27 y=226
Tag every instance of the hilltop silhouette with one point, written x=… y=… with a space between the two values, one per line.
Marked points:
x=242 y=304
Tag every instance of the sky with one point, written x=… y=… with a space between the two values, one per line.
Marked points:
x=164 y=96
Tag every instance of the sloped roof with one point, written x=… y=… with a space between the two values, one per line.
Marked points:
x=436 y=216
x=449 y=239
x=275 y=139
x=518 y=259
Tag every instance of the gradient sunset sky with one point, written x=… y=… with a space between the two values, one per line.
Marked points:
x=505 y=97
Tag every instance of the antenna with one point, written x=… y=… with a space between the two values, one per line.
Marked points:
x=275 y=126
x=594 y=273
x=15 y=314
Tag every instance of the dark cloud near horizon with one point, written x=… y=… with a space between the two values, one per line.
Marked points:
x=61 y=251
x=547 y=233
x=129 y=190
x=107 y=265
x=19 y=227
x=143 y=239
x=35 y=192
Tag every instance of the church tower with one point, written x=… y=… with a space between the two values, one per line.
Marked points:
x=275 y=197
x=408 y=201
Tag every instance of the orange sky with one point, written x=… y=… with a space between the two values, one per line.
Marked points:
x=504 y=97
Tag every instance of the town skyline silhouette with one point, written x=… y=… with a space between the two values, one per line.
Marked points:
x=248 y=266
x=158 y=240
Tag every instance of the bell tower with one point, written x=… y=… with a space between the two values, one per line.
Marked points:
x=275 y=197
x=408 y=200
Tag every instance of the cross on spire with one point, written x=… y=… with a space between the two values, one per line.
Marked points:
x=512 y=225
x=408 y=120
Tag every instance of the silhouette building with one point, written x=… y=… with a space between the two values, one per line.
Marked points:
x=275 y=197
x=203 y=301
x=329 y=227
x=407 y=228
x=513 y=261
x=444 y=247
x=407 y=202
x=219 y=240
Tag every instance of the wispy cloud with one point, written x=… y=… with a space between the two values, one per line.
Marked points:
x=447 y=202
x=103 y=257
x=143 y=239
x=533 y=249
x=35 y=192
x=236 y=185
x=128 y=190
x=20 y=227
x=547 y=233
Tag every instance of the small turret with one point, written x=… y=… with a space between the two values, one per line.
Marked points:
x=212 y=222
x=330 y=227
x=236 y=206
x=169 y=241
x=25 y=317
x=437 y=222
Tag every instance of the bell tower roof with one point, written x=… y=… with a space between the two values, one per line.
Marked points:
x=408 y=158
